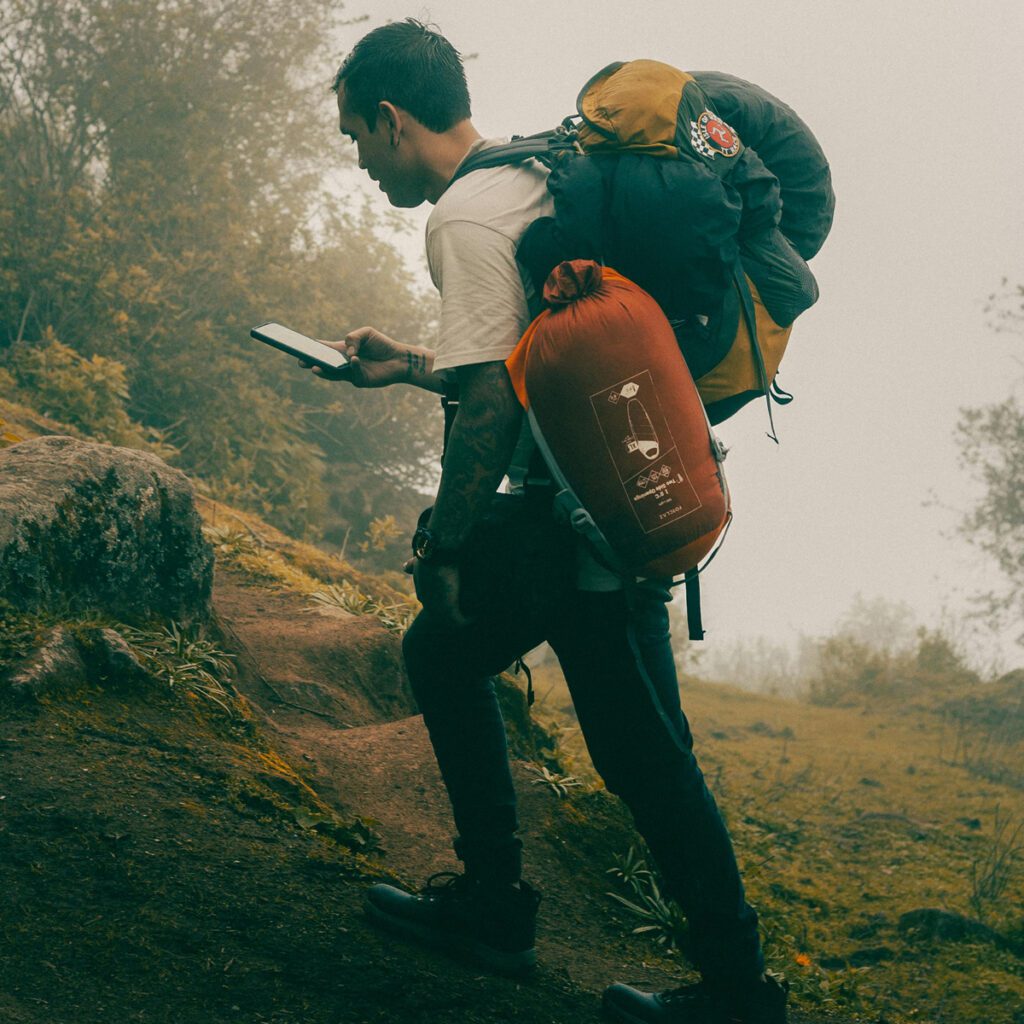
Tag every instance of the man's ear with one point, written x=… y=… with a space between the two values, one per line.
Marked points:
x=392 y=118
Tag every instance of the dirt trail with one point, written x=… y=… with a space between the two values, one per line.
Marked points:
x=157 y=869
x=385 y=771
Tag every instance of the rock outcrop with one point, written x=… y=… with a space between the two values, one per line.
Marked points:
x=56 y=665
x=93 y=527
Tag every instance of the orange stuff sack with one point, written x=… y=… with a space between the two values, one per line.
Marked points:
x=618 y=419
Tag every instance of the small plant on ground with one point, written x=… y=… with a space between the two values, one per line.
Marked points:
x=559 y=784
x=395 y=616
x=7 y=437
x=640 y=893
x=993 y=869
x=230 y=543
x=186 y=661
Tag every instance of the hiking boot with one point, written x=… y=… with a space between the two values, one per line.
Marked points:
x=764 y=1002
x=494 y=924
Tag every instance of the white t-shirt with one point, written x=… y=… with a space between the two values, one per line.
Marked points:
x=472 y=236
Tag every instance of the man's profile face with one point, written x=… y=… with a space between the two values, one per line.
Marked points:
x=385 y=163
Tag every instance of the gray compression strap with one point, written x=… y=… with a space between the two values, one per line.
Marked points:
x=570 y=505
x=694 y=622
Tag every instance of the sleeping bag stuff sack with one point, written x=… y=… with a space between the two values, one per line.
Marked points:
x=616 y=415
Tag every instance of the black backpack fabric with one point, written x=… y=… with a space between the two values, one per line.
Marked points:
x=704 y=189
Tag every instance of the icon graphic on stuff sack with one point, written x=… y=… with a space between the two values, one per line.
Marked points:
x=629 y=390
x=642 y=435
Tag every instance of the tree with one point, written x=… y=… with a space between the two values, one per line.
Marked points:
x=161 y=190
x=991 y=442
x=879 y=625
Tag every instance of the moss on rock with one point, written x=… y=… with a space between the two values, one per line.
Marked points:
x=89 y=526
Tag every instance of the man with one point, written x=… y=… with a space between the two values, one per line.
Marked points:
x=497 y=577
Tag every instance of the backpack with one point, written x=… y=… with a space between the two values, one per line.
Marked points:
x=708 y=192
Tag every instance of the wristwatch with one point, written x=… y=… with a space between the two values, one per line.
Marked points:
x=426 y=548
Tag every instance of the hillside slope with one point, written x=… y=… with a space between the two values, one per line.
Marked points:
x=166 y=862
x=170 y=858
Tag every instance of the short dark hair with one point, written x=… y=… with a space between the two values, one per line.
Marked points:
x=411 y=66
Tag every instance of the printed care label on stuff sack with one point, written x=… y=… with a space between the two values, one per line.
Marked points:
x=643 y=451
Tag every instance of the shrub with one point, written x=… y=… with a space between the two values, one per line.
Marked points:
x=90 y=393
x=849 y=668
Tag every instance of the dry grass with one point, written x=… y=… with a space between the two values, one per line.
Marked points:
x=843 y=820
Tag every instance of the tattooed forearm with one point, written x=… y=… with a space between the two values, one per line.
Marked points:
x=480 y=447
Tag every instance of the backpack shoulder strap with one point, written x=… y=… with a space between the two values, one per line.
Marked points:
x=542 y=146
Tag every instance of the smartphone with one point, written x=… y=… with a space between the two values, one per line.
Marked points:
x=308 y=349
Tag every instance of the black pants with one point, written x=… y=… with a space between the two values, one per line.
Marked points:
x=519 y=582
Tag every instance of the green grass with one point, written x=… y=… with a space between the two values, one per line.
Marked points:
x=845 y=818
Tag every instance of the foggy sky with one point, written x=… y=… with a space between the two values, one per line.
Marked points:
x=917 y=106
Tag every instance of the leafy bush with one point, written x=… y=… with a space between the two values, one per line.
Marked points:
x=20 y=633
x=991 y=443
x=850 y=668
x=90 y=393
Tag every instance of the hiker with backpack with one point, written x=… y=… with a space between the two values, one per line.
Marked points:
x=499 y=573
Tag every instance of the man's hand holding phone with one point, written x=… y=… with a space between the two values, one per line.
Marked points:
x=374 y=360
x=366 y=358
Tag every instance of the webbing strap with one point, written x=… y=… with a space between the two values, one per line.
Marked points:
x=521 y=666
x=694 y=621
x=779 y=395
x=750 y=319
x=450 y=406
x=571 y=507
x=533 y=147
x=694 y=624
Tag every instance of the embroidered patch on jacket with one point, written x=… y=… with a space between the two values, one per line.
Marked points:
x=711 y=136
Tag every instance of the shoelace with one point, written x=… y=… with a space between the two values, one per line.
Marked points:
x=454 y=882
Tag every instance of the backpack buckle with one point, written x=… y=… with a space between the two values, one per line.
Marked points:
x=568 y=131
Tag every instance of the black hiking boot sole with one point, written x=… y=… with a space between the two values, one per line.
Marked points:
x=512 y=964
